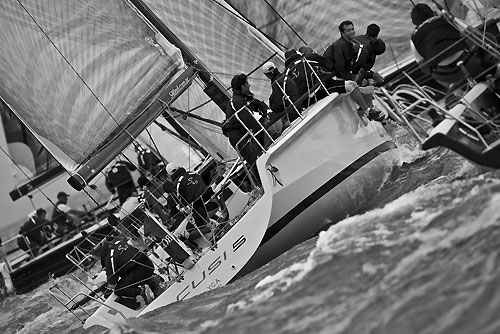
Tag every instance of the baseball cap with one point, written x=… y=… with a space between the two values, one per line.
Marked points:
x=268 y=67
x=62 y=194
x=171 y=168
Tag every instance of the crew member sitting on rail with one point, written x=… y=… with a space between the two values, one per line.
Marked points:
x=66 y=218
x=35 y=231
x=306 y=77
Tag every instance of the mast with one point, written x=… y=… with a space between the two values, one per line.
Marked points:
x=213 y=88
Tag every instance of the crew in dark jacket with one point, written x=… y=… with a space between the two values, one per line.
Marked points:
x=64 y=217
x=319 y=64
x=190 y=189
x=149 y=162
x=303 y=76
x=127 y=271
x=244 y=103
x=119 y=179
x=35 y=231
x=368 y=47
x=340 y=55
x=438 y=47
x=305 y=79
x=283 y=92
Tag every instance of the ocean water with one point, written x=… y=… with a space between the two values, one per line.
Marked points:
x=422 y=257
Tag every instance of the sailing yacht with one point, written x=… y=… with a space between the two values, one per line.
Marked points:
x=88 y=77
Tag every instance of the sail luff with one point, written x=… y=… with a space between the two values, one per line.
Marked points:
x=214 y=89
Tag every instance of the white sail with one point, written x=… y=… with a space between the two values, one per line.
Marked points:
x=76 y=72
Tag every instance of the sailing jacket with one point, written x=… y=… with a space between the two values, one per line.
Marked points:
x=279 y=83
x=364 y=54
x=237 y=103
x=298 y=71
x=119 y=178
x=303 y=75
x=33 y=229
x=119 y=258
x=149 y=161
x=435 y=39
x=340 y=56
x=189 y=186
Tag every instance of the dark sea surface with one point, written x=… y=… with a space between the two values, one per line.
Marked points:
x=422 y=257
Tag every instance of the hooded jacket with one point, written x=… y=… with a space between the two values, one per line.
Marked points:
x=237 y=103
x=119 y=258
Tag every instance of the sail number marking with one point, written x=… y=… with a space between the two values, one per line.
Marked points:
x=209 y=270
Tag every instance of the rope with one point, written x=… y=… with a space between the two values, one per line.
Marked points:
x=288 y=25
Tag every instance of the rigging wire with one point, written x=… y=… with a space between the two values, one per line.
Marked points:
x=28 y=177
x=288 y=13
x=285 y=21
x=245 y=19
x=156 y=147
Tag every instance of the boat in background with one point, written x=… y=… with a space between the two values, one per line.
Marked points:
x=137 y=61
x=32 y=167
x=23 y=271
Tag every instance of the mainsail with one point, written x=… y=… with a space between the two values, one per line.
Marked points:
x=76 y=73
x=31 y=164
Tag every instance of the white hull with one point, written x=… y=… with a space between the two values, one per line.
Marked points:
x=324 y=177
x=326 y=166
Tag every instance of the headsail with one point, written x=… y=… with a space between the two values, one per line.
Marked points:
x=219 y=37
x=77 y=72
x=31 y=164
x=221 y=44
